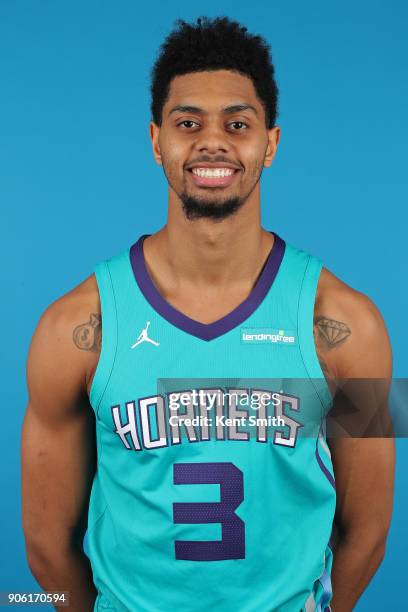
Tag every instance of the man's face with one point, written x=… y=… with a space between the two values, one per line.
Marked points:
x=213 y=142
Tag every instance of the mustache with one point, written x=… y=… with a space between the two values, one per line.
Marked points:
x=215 y=160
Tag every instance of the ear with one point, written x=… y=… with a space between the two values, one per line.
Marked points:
x=273 y=141
x=154 y=137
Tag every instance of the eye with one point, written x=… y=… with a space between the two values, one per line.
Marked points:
x=187 y=121
x=238 y=123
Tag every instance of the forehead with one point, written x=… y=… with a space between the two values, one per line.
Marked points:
x=212 y=89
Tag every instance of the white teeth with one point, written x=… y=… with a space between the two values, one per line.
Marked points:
x=213 y=173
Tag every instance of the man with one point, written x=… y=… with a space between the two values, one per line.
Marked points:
x=211 y=296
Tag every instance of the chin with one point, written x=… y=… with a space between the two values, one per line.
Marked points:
x=200 y=208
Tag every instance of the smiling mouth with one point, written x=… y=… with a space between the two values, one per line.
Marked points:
x=213 y=177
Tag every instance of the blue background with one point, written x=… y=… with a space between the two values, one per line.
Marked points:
x=78 y=181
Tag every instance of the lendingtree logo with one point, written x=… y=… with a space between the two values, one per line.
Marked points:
x=258 y=335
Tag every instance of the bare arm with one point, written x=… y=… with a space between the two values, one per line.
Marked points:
x=363 y=466
x=58 y=456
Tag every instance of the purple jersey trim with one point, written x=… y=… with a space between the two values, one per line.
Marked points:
x=323 y=467
x=206 y=331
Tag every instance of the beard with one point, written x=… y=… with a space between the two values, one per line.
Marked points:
x=214 y=208
x=199 y=208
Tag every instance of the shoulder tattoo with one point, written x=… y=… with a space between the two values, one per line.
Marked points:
x=88 y=336
x=330 y=333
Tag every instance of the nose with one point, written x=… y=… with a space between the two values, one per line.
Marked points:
x=212 y=138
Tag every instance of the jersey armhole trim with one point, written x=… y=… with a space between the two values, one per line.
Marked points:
x=109 y=342
x=305 y=325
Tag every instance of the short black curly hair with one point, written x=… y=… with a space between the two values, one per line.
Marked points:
x=214 y=44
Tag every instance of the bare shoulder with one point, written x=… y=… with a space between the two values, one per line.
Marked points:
x=67 y=338
x=350 y=333
x=84 y=307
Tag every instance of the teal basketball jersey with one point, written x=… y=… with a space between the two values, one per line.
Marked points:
x=205 y=497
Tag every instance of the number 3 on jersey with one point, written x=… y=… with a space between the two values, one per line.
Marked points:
x=231 y=481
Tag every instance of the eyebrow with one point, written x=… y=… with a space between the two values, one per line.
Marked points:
x=234 y=108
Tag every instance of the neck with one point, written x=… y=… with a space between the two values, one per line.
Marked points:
x=205 y=253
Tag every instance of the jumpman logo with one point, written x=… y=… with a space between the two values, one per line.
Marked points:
x=143 y=337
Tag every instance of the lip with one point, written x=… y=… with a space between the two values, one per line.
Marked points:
x=205 y=181
x=213 y=165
